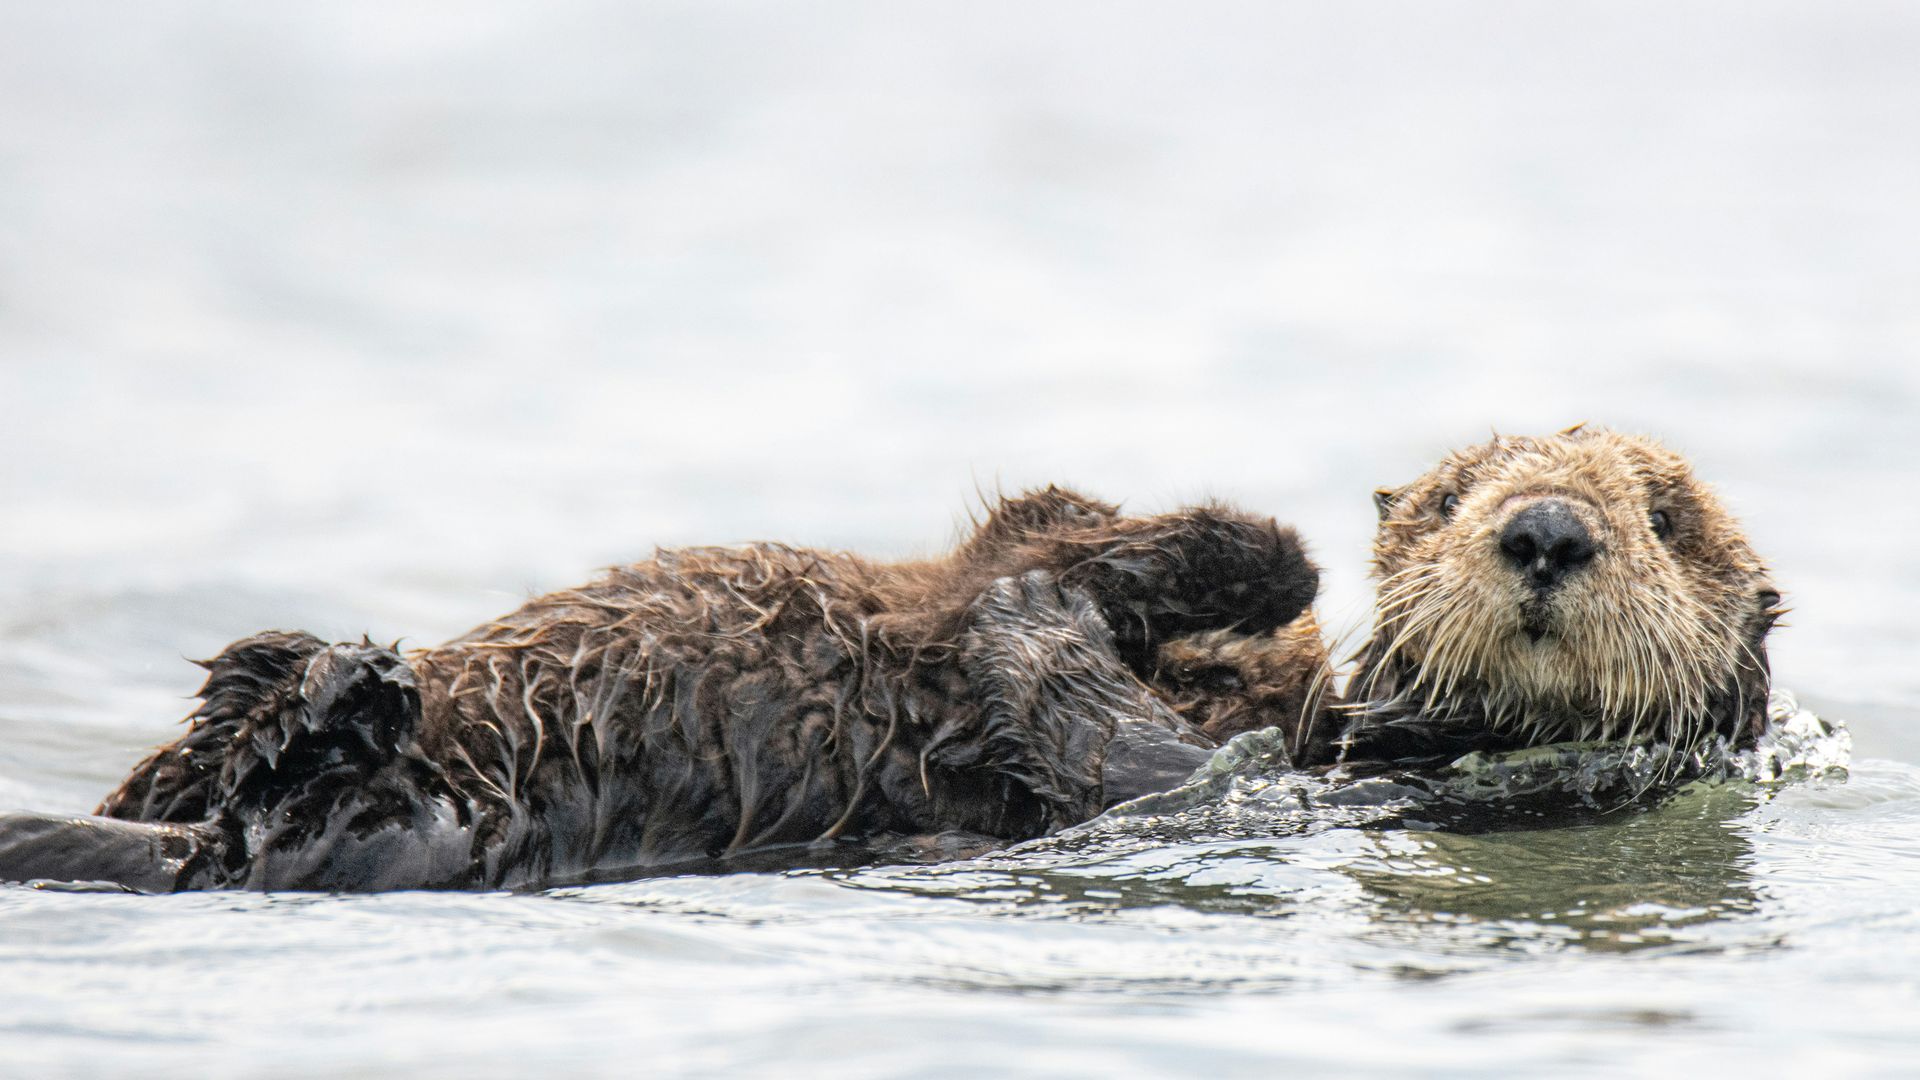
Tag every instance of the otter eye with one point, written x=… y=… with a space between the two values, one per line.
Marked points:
x=1662 y=524
x=1449 y=504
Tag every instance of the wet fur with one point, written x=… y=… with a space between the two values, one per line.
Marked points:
x=721 y=700
x=1224 y=683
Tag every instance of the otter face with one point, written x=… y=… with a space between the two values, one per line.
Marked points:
x=1583 y=585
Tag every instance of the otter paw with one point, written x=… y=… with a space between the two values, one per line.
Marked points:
x=1202 y=569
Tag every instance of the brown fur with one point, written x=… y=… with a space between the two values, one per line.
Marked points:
x=1225 y=683
x=712 y=701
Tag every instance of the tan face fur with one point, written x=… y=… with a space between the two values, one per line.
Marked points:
x=1582 y=585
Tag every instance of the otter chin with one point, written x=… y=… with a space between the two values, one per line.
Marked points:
x=1580 y=586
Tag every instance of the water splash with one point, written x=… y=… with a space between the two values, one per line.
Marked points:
x=1249 y=782
x=1797 y=746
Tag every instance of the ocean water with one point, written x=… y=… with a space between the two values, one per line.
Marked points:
x=375 y=318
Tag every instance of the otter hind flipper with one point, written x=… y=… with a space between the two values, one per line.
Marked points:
x=279 y=711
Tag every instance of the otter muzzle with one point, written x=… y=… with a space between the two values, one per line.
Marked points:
x=1546 y=542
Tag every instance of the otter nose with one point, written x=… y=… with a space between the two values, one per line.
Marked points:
x=1546 y=542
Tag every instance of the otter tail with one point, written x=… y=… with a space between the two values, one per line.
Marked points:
x=101 y=851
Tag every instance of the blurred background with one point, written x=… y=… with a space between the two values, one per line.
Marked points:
x=374 y=316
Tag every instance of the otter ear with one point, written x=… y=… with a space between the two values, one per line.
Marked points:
x=1383 y=500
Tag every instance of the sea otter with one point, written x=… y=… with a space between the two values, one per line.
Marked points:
x=715 y=701
x=1584 y=585
x=705 y=703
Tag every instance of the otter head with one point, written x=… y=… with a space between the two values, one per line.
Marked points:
x=1579 y=586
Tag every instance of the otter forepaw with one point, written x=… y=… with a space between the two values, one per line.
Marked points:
x=1201 y=569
